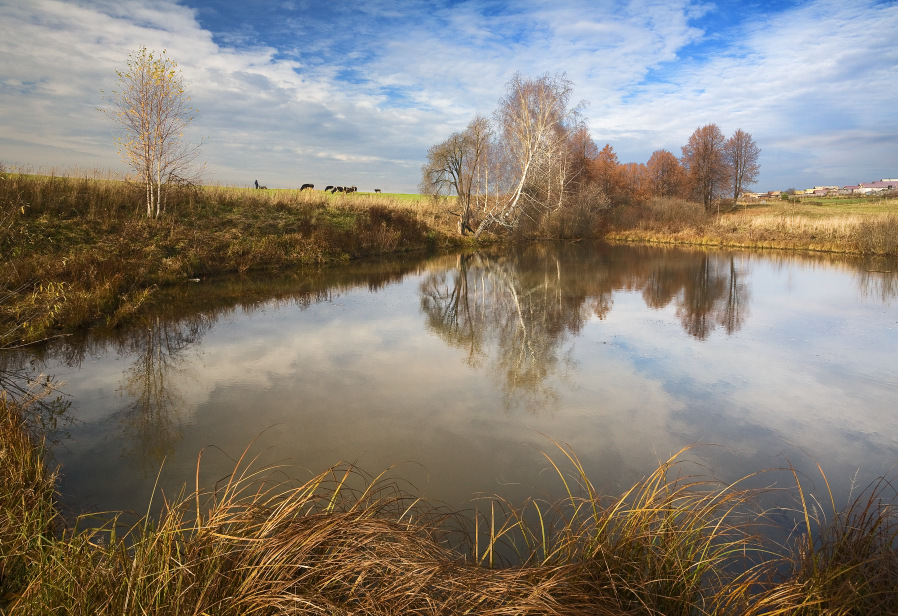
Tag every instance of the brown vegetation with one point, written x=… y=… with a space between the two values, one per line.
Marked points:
x=77 y=251
x=781 y=226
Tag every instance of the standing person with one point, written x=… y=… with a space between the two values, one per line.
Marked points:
x=257 y=183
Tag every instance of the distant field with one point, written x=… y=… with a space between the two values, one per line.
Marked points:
x=396 y=196
x=826 y=206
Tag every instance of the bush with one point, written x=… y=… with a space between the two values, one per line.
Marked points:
x=581 y=216
x=672 y=213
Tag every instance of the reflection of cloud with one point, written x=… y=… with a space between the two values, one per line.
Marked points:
x=806 y=369
x=357 y=377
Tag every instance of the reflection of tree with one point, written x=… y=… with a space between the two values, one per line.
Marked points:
x=448 y=300
x=512 y=307
x=153 y=420
x=516 y=312
x=713 y=294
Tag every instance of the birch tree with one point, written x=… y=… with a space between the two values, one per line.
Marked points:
x=534 y=120
x=152 y=110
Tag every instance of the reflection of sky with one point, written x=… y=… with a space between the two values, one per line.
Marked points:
x=360 y=379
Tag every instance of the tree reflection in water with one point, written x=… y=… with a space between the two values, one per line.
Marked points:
x=152 y=422
x=516 y=313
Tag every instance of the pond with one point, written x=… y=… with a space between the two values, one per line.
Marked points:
x=462 y=373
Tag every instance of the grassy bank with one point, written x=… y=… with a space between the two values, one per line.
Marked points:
x=343 y=543
x=79 y=251
x=855 y=226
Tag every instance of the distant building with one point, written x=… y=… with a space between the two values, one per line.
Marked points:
x=871 y=187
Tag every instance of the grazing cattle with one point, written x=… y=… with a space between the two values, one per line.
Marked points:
x=376 y=190
x=353 y=189
x=309 y=186
x=263 y=188
x=329 y=189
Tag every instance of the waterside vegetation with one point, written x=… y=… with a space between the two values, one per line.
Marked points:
x=343 y=542
x=77 y=251
x=865 y=226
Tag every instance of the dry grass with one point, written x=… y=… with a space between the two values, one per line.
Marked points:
x=869 y=228
x=77 y=252
x=347 y=543
x=28 y=515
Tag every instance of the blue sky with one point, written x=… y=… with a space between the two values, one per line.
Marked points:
x=355 y=92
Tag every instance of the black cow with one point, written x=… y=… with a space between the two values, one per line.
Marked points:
x=376 y=190
x=309 y=186
x=328 y=188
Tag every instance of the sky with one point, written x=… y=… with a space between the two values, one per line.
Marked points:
x=355 y=92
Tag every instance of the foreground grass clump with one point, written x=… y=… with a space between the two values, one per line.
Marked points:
x=343 y=542
x=28 y=514
x=868 y=227
x=80 y=251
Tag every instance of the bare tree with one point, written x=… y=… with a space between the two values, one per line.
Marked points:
x=742 y=157
x=151 y=108
x=534 y=119
x=454 y=166
x=704 y=158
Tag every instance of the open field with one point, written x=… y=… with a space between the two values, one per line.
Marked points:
x=343 y=542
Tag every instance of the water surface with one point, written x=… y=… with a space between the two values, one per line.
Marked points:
x=463 y=369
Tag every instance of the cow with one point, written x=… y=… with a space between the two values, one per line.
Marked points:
x=377 y=190
x=354 y=189
x=328 y=189
x=309 y=186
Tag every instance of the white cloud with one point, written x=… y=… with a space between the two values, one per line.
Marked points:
x=360 y=93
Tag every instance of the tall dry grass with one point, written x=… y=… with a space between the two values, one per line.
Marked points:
x=28 y=515
x=678 y=221
x=347 y=543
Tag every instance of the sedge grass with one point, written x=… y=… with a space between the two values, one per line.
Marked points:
x=343 y=542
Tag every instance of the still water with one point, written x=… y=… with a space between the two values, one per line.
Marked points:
x=458 y=373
